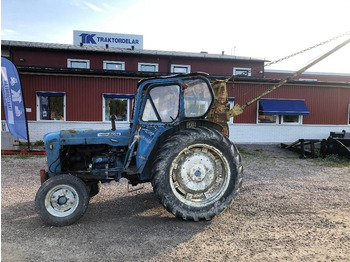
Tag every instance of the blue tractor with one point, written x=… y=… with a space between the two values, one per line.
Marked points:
x=195 y=170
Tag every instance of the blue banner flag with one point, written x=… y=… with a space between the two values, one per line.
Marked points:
x=13 y=99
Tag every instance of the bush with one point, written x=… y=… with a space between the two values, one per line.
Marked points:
x=39 y=143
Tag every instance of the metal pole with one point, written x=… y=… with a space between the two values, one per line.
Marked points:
x=25 y=111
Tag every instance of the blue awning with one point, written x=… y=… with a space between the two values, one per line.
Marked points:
x=122 y=96
x=50 y=93
x=283 y=107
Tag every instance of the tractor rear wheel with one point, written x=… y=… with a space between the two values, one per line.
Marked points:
x=197 y=173
x=61 y=200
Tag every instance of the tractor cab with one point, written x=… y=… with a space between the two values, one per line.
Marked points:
x=173 y=99
x=163 y=106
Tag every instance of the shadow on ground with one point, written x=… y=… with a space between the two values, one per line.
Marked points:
x=122 y=229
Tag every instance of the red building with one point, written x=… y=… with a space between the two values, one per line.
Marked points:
x=67 y=86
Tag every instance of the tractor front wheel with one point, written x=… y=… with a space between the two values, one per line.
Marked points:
x=62 y=200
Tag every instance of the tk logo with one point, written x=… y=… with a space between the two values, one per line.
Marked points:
x=88 y=39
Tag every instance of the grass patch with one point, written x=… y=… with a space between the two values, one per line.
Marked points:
x=39 y=143
x=4 y=158
x=25 y=145
x=23 y=156
x=255 y=153
x=333 y=161
x=328 y=161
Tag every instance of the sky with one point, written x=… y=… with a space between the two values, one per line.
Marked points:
x=266 y=29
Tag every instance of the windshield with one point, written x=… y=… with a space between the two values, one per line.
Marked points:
x=162 y=104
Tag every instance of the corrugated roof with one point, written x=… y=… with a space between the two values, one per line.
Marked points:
x=12 y=43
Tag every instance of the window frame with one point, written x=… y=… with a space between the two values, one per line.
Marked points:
x=150 y=102
x=174 y=66
x=208 y=98
x=114 y=62
x=231 y=102
x=349 y=114
x=308 y=79
x=300 y=120
x=235 y=69
x=130 y=103
x=71 y=60
x=267 y=123
x=38 y=106
x=260 y=123
x=140 y=64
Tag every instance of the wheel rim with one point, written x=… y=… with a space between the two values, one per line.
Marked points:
x=199 y=175
x=61 y=200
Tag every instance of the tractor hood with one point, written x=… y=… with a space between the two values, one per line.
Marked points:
x=118 y=137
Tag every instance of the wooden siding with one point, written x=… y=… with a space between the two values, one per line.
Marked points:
x=49 y=58
x=83 y=94
x=328 y=105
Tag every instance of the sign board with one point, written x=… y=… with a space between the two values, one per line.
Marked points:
x=112 y=40
x=13 y=99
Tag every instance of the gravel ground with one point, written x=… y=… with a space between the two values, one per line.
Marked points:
x=288 y=210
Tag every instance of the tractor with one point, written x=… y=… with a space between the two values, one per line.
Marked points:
x=172 y=142
x=178 y=141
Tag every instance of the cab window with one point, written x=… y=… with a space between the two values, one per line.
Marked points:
x=162 y=104
x=197 y=98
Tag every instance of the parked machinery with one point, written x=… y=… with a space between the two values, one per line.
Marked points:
x=195 y=170
x=337 y=143
x=178 y=141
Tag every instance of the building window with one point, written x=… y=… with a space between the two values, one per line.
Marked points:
x=308 y=79
x=147 y=67
x=51 y=106
x=118 y=105
x=286 y=119
x=290 y=111
x=239 y=71
x=114 y=65
x=267 y=119
x=231 y=104
x=181 y=69
x=78 y=63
